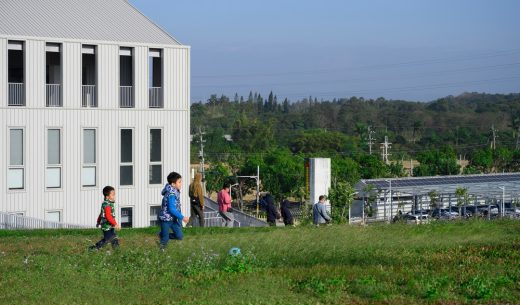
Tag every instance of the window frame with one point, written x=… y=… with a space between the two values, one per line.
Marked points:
x=132 y=164
x=150 y=215
x=15 y=167
x=132 y=208
x=89 y=165
x=150 y=163
x=53 y=166
x=54 y=211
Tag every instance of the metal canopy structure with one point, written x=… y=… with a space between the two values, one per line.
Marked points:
x=488 y=185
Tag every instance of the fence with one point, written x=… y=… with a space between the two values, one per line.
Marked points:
x=213 y=219
x=53 y=95
x=16 y=94
x=155 y=98
x=126 y=96
x=244 y=219
x=88 y=96
x=14 y=222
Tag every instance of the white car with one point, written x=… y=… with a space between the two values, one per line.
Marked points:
x=417 y=218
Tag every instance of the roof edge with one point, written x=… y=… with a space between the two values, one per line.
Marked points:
x=439 y=177
x=151 y=21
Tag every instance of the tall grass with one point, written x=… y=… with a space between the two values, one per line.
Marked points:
x=459 y=262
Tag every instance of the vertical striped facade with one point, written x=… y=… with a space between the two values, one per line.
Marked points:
x=77 y=204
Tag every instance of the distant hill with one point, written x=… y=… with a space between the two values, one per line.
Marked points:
x=463 y=122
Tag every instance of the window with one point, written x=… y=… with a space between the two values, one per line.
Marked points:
x=53 y=171
x=154 y=211
x=155 y=96
x=126 y=78
x=155 y=168
x=126 y=169
x=54 y=216
x=88 y=171
x=53 y=75
x=16 y=171
x=126 y=217
x=88 y=76
x=15 y=73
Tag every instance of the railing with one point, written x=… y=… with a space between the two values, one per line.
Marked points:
x=240 y=219
x=88 y=96
x=14 y=222
x=16 y=94
x=126 y=98
x=53 y=95
x=155 y=97
x=213 y=219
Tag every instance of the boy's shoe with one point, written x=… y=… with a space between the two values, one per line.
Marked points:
x=162 y=248
x=92 y=248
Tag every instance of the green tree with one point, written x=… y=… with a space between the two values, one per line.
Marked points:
x=320 y=140
x=216 y=176
x=434 y=199
x=370 y=195
x=341 y=196
x=345 y=169
x=482 y=160
x=462 y=197
x=372 y=167
x=281 y=173
x=437 y=162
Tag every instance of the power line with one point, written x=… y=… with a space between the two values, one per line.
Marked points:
x=339 y=94
x=401 y=76
x=408 y=63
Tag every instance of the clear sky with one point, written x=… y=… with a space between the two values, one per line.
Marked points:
x=400 y=49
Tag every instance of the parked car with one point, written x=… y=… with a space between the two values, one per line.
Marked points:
x=444 y=214
x=464 y=212
x=417 y=218
x=489 y=209
x=474 y=210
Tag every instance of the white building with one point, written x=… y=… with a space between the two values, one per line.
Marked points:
x=92 y=93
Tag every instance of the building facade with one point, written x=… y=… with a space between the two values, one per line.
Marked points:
x=92 y=93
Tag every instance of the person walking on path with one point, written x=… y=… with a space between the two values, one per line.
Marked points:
x=319 y=211
x=197 y=200
x=224 y=206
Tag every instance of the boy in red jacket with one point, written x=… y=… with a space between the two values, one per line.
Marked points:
x=107 y=220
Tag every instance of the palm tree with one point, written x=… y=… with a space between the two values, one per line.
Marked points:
x=462 y=197
x=371 y=197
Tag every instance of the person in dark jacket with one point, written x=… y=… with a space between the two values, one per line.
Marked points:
x=272 y=212
x=288 y=219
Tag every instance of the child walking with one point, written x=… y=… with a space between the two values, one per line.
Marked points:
x=107 y=220
x=170 y=216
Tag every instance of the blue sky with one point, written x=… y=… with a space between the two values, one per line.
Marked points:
x=398 y=49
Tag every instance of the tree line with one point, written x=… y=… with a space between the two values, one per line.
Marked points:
x=279 y=135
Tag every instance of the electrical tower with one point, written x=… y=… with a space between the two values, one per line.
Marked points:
x=201 y=158
x=495 y=136
x=370 y=139
x=385 y=148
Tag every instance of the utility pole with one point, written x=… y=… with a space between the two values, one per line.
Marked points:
x=370 y=139
x=385 y=147
x=518 y=138
x=257 y=179
x=201 y=157
x=495 y=136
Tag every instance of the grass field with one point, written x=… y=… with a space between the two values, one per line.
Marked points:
x=448 y=263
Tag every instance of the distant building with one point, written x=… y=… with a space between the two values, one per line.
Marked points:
x=92 y=93
x=412 y=194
